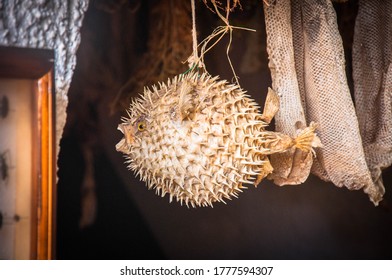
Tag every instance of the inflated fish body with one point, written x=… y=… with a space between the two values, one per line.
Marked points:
x=200 y=139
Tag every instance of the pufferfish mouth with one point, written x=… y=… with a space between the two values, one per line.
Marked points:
x=122 y=146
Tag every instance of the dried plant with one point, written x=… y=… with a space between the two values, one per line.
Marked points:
x=169 y=45
x=229 y=6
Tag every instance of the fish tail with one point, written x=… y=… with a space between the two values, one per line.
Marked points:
x=308 y=139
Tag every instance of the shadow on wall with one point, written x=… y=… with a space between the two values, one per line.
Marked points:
x=119 y=231
x=313 y=221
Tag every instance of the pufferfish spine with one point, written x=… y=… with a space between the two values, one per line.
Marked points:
x=199 y=139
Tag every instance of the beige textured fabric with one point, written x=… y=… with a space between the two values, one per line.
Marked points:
x=372 y=73
x=318 y=74
x=292 y=167
x=328 y=101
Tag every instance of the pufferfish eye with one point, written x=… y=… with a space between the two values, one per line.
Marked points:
x=141 y=126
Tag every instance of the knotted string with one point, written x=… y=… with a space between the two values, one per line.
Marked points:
x=198 y=62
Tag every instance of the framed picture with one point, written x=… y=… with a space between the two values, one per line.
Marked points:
x=27 y=154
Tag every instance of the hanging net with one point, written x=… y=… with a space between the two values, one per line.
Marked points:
x=372 y=73
x=308 y=72
x=292 y=167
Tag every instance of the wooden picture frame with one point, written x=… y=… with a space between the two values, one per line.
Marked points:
x=36 y=66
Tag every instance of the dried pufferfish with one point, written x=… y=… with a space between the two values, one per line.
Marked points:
x=199 y=139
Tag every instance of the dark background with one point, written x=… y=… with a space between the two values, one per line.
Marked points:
x=315 y=220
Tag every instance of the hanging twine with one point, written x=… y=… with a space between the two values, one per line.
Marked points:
x=194 y=60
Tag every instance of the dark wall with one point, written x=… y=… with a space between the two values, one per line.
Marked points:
x=315 y=220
